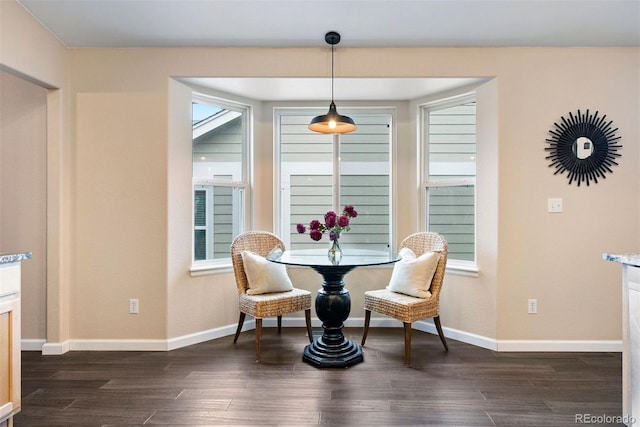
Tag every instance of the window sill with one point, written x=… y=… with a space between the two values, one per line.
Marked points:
x=462 y=268
x=198 y=270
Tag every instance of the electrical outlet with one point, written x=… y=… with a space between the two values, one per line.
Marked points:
x=554 y=205
x=134 y=306
x=532 y=306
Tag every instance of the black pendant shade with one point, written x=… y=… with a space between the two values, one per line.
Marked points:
x=332 y=122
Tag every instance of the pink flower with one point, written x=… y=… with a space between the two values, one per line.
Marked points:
x=315 y=235
x=330 y=219
x=350 y=211
x=333 y=224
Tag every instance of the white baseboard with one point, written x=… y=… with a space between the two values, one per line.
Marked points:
x=522 y=345
x=455 y=334
x=211 y=334
x=356 y=322
x=471 y=338
x=136 y=345
x=118 y=345
x=55 y=348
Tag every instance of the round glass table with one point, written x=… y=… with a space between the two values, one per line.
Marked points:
x=333 y=302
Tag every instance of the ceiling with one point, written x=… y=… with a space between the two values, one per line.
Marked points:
x=361 y=89
x=362 y=23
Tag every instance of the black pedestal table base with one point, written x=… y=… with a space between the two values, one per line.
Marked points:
x=333 y=304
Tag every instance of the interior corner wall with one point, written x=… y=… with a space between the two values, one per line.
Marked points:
x=465 y=296
x=27 y=48
x=30 y=52
x=23 y=193
x=194 y=304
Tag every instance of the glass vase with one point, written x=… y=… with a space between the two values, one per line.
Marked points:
x=335 y=253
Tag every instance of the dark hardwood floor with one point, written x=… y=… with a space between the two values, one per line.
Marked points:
x=219 y=383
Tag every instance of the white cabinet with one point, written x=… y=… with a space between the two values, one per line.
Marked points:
x=631 y=338
x=630 y=335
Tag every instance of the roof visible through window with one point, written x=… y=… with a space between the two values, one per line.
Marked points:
x=202 y=112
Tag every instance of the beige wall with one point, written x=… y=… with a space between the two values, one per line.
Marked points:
x=28 y=48
x=23 y=192
x=557 y=258
x=30 y=52
x=525 y=252
x=129 y=193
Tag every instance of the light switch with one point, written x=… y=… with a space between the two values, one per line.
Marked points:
x=554 y=205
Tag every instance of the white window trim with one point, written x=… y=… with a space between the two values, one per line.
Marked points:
x=457 y=267
x=208 y=269
x=463 y=268
x=450 y=182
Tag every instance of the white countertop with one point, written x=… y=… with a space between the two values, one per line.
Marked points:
x=11 y=258
x=631 y=259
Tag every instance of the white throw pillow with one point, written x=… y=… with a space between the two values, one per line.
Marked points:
x=265 y=276
x=412 y=276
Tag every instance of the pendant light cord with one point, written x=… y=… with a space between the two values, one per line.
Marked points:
x=332 y=73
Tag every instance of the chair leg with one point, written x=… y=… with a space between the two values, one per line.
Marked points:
x=279 y=323
x=407 y=343
x=367 y=319
x=240 y=323
x=258 y=338
x=436 y=320
x=307 y=318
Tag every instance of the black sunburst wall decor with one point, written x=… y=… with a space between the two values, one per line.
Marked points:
x=584 y=146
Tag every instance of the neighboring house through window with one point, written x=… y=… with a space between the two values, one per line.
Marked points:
x=449 y=174
x=318 y=173
x=220 y=180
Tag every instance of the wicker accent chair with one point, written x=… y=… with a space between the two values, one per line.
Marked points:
x=406 y=308
x=264 y=305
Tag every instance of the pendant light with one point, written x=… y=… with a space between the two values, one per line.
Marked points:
x=332 y=122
